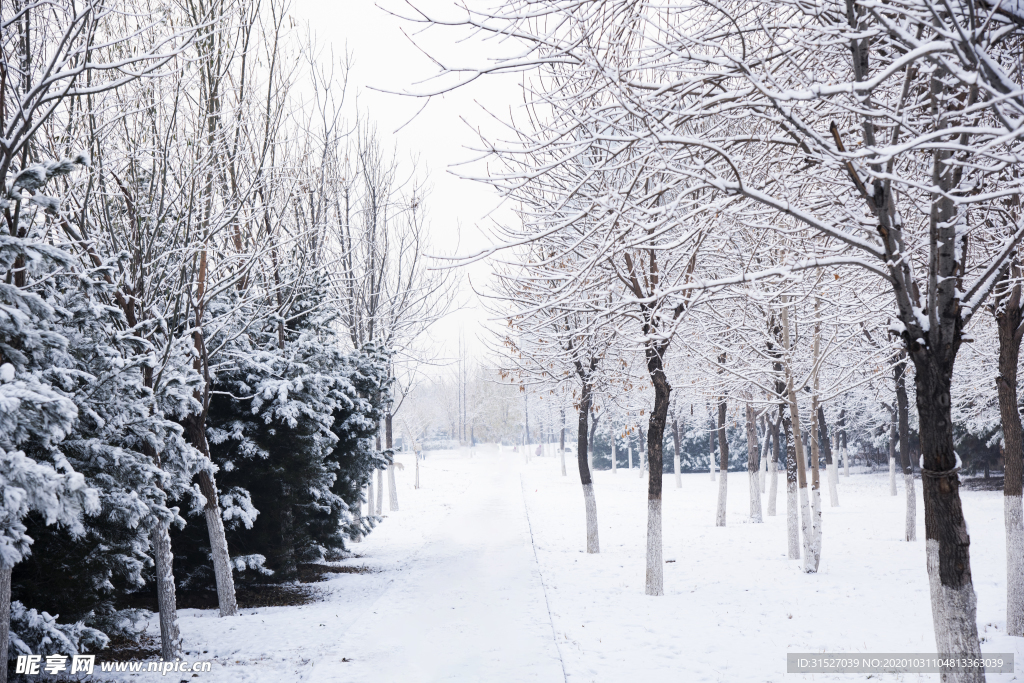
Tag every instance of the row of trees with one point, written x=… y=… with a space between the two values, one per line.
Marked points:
x=775 y=202
x=213 y=291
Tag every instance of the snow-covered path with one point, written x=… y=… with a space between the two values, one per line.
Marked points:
x=454 y=591
x=468 y=607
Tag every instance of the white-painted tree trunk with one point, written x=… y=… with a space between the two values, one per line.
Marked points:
x=369 y=497
x=764 y=472
x=911 y=525
x=380 y=492
x=676 y=464
x=629 y=455
x=590 y=503
x=815 y=545
x=846 y=461
x=773 y=489
x=655 y=584
x=416 y=454
x=833 y=482
x=723 y=486
x=170 y=636
x=806 y=529
x=892 y=476
x=5 y=618
x=792 y=521
x=392 y=489
x=615 y=466
x=753 y=466
x=642 y=461
x=954 y=613
x=1013 y=513
x=590 y=459
x=561 y=452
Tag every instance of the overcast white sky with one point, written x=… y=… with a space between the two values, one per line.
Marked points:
x=384 y=57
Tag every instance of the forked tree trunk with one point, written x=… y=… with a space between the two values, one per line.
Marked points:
x=655 y=583
x=1009 y=321
x=676 y=458
x=163 y=559
x=906 y=462
x=583 y=459
x=389 y=444
x=5 y=618
x=713 y=440
x=723 y=465
x=195 y=432
x=776 y=448
x=806 y=523
x=753 y=466
x=792 y=507
x=831 y=468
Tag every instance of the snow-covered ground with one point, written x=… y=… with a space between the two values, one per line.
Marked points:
x=481 y=576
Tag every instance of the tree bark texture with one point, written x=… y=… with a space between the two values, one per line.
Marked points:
x=583 y=460
x=753 y=466
x=170 y=636
x=655 y=583
x=1009 y=321
x=195 y=432
x=676 y=458
x=723 y=465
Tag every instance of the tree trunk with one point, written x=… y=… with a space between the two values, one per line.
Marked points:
x=195 y=432
x=676 y=458
x=629 y=453
x=806 y=524
x=723 y=465
x=892 y=453
x=713 y=440
x=583 y=459
x=1009 y=319
x=907 y=463
x=369 y=500
x=655 y=584
x=776 y=447
x=642 y=455
x=842 y=444
x=615 y=456
x=753 y=466
x=561 y=442
x=5 y=618
x=792 y=513
x=763 y=469
x=380 y=492
x=815 y=484
x=954 y=604
x=831 y=467
x=170 y=636
x=389 y=444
